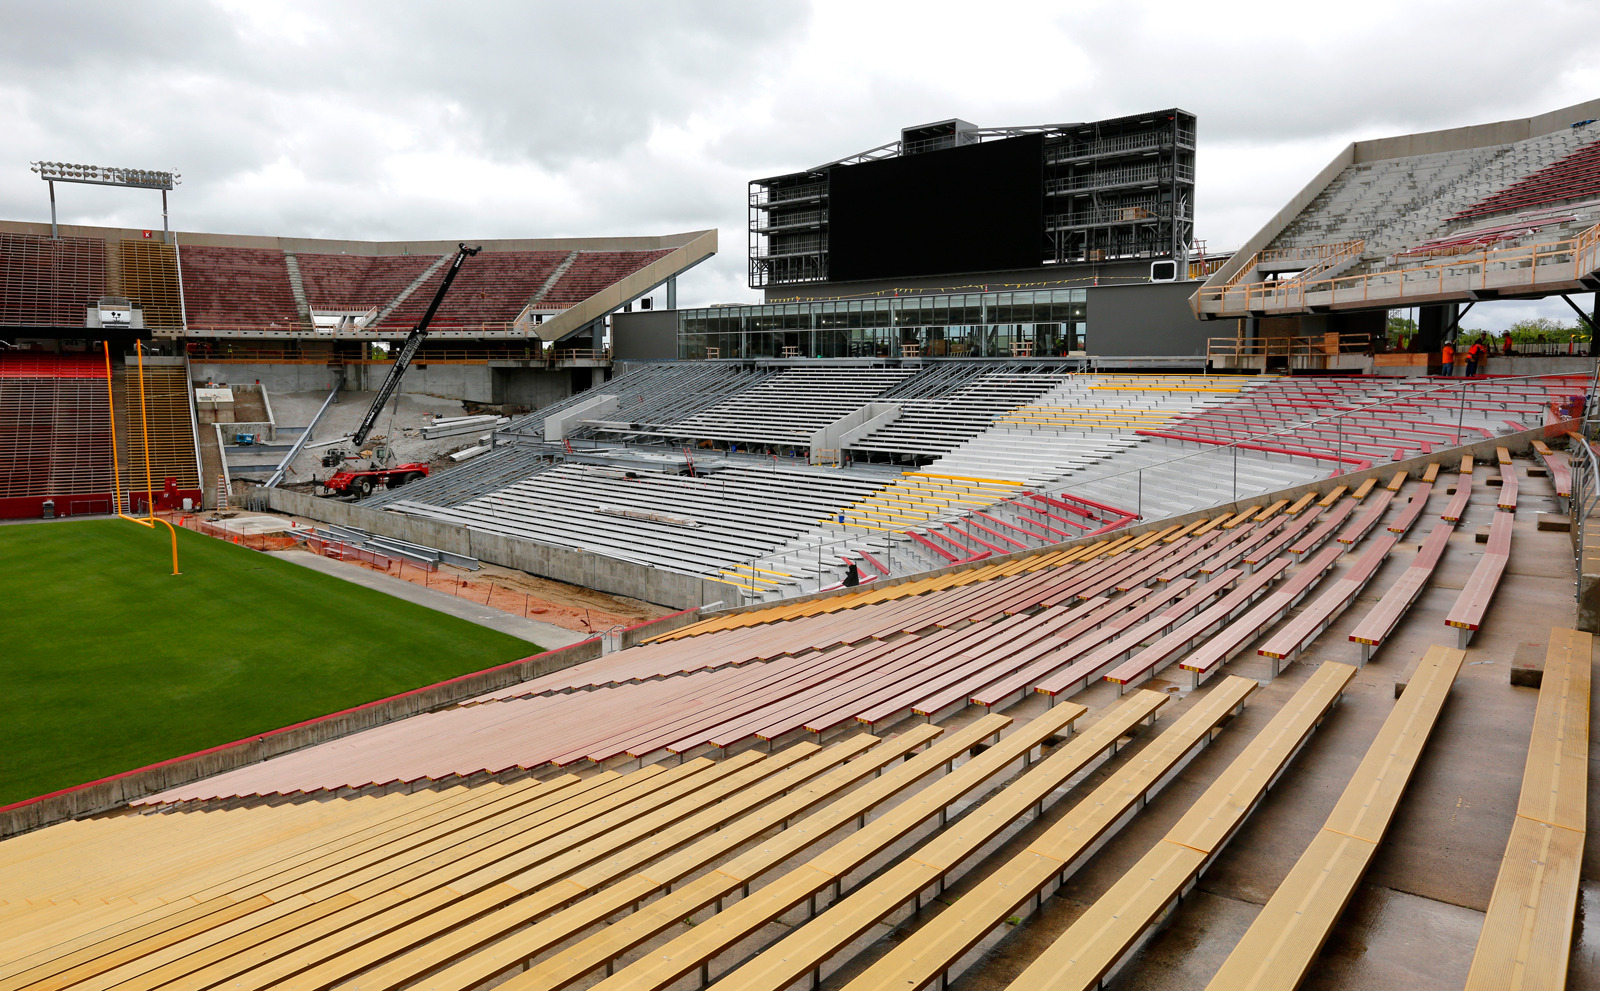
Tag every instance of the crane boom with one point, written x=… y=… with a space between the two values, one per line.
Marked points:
x=408 y=350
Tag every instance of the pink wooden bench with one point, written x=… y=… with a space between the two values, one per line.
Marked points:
x=1413 y=510
x=1467 y=614
x=1458 y=502
x=1288 y=641
x=1144 y=665
x=1233 y=638
x=1323 y=530
x=1368 y=518
x=1382 y=618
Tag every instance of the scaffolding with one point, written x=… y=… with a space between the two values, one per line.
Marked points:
x=1115 y=190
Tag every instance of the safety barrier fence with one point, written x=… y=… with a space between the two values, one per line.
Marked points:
x=428 y=575
x=198 y=352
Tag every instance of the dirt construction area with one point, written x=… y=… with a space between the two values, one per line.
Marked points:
x=399 y=427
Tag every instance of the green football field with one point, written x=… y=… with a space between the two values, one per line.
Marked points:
x=108 y=662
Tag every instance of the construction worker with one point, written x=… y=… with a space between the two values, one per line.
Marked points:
x=1447 y=358
x=1477 y=357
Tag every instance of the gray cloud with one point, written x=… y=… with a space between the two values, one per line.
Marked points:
x=396 y=119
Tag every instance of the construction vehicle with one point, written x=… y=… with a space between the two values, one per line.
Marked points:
x=361 y=482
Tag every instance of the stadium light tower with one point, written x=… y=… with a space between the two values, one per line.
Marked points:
x=103 y=175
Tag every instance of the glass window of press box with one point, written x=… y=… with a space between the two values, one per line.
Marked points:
x=974 y=325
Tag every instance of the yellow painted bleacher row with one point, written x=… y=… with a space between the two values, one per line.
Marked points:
x=1102 y=417
x=920 y=497
x=1036 y=562
x=1224 y=384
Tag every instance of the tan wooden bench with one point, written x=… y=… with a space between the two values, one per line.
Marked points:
x=1110 y=929
x=1282 y=943
x=1300 y=504
x=696 y=948
x=940 y=943
x=1527 y=932
x=605 y=887
x=807 y=949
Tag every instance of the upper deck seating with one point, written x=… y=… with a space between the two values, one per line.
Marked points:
x=358 y=282
x=231 y=288
x=1575 y=177
x=1526 y=938
x=1283 y=941
x=49 y=282
x=592 y=271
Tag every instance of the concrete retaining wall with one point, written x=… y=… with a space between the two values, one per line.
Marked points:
x=636 y=581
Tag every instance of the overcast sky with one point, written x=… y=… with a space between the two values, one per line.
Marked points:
x=444 y=120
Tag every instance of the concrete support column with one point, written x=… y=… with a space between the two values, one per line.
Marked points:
x=1432 y=324
x=672 y=292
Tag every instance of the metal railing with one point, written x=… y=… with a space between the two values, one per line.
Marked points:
x=442 y=356
x=1561 y=260
x=1317 y=256
x=1585 y=501
x=1339 y=453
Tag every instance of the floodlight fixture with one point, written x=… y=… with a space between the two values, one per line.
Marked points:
x=107 y=175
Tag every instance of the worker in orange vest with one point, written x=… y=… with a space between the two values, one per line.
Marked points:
x=1477 y=358
x=1447 y=358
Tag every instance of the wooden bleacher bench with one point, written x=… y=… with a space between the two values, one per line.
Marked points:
x=1374 y=628
x=1111 y=928
x=1463 y=493
x=1288 y=641
x=1526 y=938
x=933 y=949
x=807 y=949
x=1467 y=613
x=695 y=948
x=1413 y=509
x=1282 y=943
x=1560 y=470
x=610 y=891
x=655 y=916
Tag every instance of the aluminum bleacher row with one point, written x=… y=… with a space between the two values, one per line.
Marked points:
x=55 y=431
x=700 y=525
x=766 y=867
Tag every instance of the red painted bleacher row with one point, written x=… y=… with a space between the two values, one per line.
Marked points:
x=49 y=282
x=1575 y=177
x=1408 y=426
x=237 y=287
x=42 y=365
x=249 y=287
x=55 y=431
x=593 y=271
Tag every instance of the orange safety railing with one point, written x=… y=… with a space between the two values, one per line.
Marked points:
x=1320 y=256
x=1567 y=258
x=1283 y=347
